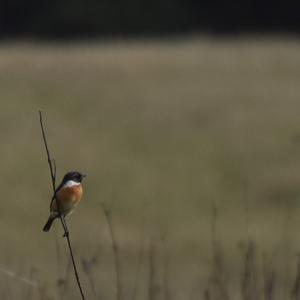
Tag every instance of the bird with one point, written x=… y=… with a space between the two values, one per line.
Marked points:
x=66 y=197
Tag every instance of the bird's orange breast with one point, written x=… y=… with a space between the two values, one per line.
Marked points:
x=67 y=198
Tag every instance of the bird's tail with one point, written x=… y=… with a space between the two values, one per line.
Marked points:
x=48 y=225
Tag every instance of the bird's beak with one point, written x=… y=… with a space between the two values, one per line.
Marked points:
x=83 y=175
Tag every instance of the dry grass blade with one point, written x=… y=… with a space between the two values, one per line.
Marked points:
x=87 y=265
x=249 y=287
x=28 y=281
x=269 y=282
x=116 y=254
x=151 y=287
x=166 y=269
x=295 y=294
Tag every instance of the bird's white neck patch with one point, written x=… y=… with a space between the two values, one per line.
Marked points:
x=70 y=183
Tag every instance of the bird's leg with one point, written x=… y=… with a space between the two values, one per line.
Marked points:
x=66 y=234
x=63 y=221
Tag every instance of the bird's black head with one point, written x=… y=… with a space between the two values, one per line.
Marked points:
x=74 y=176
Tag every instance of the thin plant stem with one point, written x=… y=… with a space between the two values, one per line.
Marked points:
x=52 y=167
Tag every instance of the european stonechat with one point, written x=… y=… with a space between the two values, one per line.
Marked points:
x=66 y=197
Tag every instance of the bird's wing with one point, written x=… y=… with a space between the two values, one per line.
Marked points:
x=54 y=195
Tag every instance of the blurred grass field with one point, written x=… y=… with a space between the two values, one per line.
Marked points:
x=164 y=130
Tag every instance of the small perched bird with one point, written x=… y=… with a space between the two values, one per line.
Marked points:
x=66 y=197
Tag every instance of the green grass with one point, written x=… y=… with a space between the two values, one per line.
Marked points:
x=163 y=130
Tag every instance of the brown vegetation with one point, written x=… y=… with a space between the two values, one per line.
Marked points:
x=165 y=130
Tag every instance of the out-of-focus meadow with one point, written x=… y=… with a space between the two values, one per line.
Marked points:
x=194 y=147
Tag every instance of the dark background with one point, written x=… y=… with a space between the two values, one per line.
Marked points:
x=94 y=18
